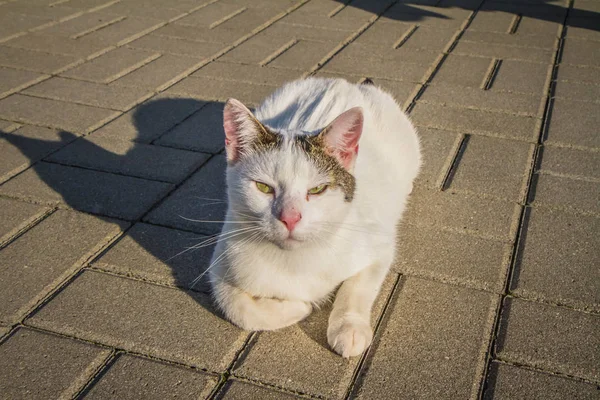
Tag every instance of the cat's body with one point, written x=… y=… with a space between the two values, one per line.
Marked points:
x=346 y=233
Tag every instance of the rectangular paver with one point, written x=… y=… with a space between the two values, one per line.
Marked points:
x=35 y=60
x=39 y=260
x=574 y=123
x=159 y=321
x=162 y=44
x=239 y=390
x=437 y=152
x=247 y=73
x=558 y=191
x=15 y=216
x=13 y=80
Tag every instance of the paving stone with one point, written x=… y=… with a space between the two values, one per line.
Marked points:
x=162 y=255
x=83 y=24
x=140 y=378
x=391 y=35
x=503 y=22
x=203 y=131
x=34 y=60
x=126 y=30
x=573 y=123
x=527 y=104
x=247 y=73
x=112 y=65
x=462 y=70
x=220 y=34
x=485 y=217
x=55 y=13
x=572 y=162
x=348 y=19
x=388 y=56
x=157 y=10
x=158 y=321
x=559 y=191
x=475 y=121
x=91 y=191
x=208 y=89
x=539 y=41
x=433 y=340
x=84 y=47
x=536 y=9
x=255 y=50
x=15 y=216
x=159 y=73
x=579 y=73
x=453 y=258
x=504 y=51
x=89 y=93
x=240 y=390
x=498 y=167
x=211 y=14
x=202 y=197
x=581 y=91
x=13 y=80
x=52 y=113
x=13 y=24
x=557 y=259
x=582 y=28
x=312 y=33
x=568 y=350
x=303 y=55
x=403 y=92
x=26 y=145
x=321 y=372
x=581 y=52
x=40 y=259
x=38 y=365
x=129 y=158
x=508 y=382
x=427 y=15
x=151 y=119
x=437 y=151
x=163 y=44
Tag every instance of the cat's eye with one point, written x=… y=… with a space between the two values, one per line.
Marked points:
x=263 y=187
x=318 y=189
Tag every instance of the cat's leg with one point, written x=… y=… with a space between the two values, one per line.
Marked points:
x=349 y=332
x=257 y=313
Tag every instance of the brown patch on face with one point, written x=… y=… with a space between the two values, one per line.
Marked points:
x=314 y=147
x=265 y=138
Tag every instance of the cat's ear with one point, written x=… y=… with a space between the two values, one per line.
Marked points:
x=342 y=135
x=241 y=127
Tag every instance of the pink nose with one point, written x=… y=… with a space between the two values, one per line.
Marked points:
x=290 y=218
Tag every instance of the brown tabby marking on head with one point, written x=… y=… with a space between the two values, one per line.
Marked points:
x=265 y=138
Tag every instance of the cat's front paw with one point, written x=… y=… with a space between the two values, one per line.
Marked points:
x=349 y=336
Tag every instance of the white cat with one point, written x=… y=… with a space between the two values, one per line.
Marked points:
x=308 y=210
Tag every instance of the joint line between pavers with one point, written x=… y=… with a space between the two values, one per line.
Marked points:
x=491 y=74
x=277 y=388
x=518 y=232
x=25 y=226
x=449 y=167
x=227 y=18
x=338 y=9
x=93 y=369
x=404 y=37
x=97 y=27
x=514 y=25
x=278 y=52
x=542 y=371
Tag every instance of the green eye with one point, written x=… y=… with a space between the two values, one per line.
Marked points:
x=264 y=188
x=318 y=189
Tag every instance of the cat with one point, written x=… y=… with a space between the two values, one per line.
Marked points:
x=317 y=180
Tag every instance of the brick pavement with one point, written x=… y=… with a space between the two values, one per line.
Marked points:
x=110 y=119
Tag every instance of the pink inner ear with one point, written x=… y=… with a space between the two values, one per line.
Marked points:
x=343 y=134
x=234 y=115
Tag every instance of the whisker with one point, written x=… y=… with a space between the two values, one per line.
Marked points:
x=214 y=239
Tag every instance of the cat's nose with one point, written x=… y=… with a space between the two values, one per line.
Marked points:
x=290 y=218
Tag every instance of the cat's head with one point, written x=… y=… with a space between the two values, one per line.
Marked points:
x=293 y=187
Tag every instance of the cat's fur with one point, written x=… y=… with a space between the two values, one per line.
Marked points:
x=261 y=279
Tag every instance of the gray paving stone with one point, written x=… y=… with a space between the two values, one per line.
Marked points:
x=437 y=151
x=52 y=113
x=348 y=19
x=55 y=13
x=571 y=162
x=124 y=31
x=558 y=191
x=394 y=70
x=452 y=257
x=240 y=390
x=163 y=44
x=433 y=341
x=557 y=259
x=220 y=34
x=13 y=24
x=579 y=73
x=151 y=119
x=581 y=52
x=159 y=73
x=391 y=34
x=85 y=47
x=498 y=167
x=211 y=14
x=164 y=11
x=322 y=372
x=26 y=145
x=93 y=94
x=83 y=24
x=536 y=9
x=37 y=365
x=162 y=255
x=247 y=73
x=303 y=55
x=508 y=382
x=539 y=41
x=462 y=70
x=158 y=321
x=39 y=260
x=15 y=216
x=388 y=56
x=570 y=349
x=200 y=198
x=476 y=121
x=502 y=51
x=502 y=22
x=258 y=48
x=208 y=89
x=581 y=91
x=129 y=158
x=582 y=28
x=112 y=65
x=203 y=131
x=527 y=104
x=312 y=33
x=463 y=212
x=91 y=191
x=403 y=92
x=34 y=60
x=574 y=123
x=440 y=17
x=13 y=80
x=140 y=378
